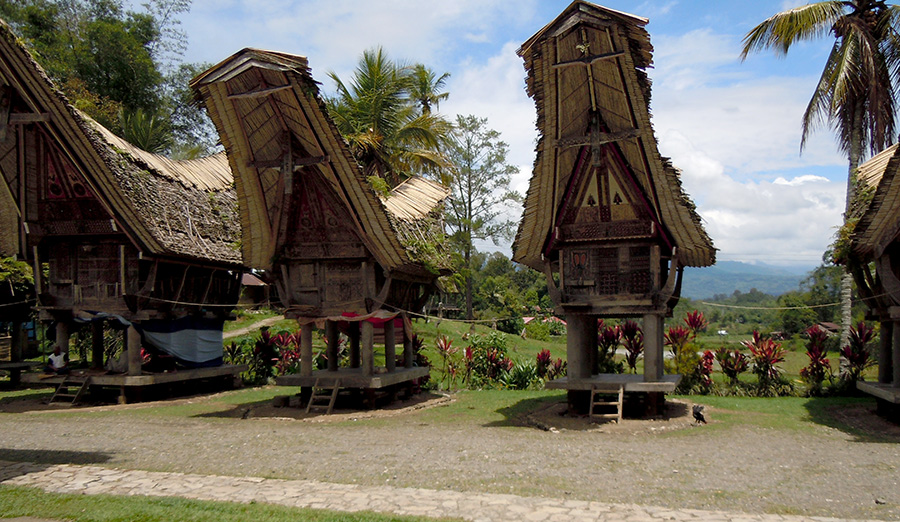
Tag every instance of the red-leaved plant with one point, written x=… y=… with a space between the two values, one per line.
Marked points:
x=706 y=369
x=819 y=367
x=857 y=352
x=676 y=338
x=695 y=322
x=547 y=368
x=767 y=354
x=633 y=341
x=733 y=363
x=608 y=338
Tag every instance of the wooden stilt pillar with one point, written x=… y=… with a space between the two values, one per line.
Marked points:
x=593 y=354
x=895 y=358
x=367 y=348
x=97 y=344
x=306 y=356
x=885 y=363
x=653 y=348
x=354 y=345
x=409 y=356
x=17 y=342
x=390 y=347
x=133 y=345
x=578 y=361
x=333 y=338
x=62 y=336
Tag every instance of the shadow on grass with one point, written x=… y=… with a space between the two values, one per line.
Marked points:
x=515 y=414
x=854 y=416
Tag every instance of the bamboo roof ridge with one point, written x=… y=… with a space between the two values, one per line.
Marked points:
x=269 y=113
x=170 y=208
x=879 y=224
x=589 y=64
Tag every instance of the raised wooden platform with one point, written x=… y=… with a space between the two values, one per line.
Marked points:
x=353 y=378
x=885 y=391
x=633 y=383
x=147 y=379
x=15 y=370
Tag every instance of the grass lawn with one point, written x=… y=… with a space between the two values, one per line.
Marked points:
x=31 y=502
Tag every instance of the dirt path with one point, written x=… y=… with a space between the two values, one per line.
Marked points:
x=819 y=470
x=255 y=326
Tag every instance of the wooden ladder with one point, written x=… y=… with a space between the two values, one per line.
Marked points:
x=323 y=396
x=64 y=392
x=601 y=397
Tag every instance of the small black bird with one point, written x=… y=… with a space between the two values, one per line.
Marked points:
x=698 y=414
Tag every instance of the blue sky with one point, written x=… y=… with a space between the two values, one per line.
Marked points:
x=733 y=128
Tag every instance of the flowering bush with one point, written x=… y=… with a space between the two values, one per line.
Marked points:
x=486 y=359
x=446 y=350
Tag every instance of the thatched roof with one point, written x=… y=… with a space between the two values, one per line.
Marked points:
x=590 y=62
x=268 y=111
x=880 y=222
x=184 y=209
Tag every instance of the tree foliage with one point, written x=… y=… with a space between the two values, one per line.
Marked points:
x=480 y=180
x=119 y=66
x=378 y=112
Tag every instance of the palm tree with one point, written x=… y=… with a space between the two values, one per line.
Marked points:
x=387 y=133
x=426 y=86
x=855 y=94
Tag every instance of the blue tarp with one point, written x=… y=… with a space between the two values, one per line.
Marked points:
x=194 y=342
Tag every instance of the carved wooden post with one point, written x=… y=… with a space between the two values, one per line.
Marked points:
x=133 y=345
x=885 y=372
x=97 y=344
x=390 y=350
x=306 y=357
x=354 y=345
x=367 y=338
x=333 y=338
x=653 y=347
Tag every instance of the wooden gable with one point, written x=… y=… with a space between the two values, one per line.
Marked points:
x=605 y=214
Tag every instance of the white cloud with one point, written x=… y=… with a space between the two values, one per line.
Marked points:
x=799 y=180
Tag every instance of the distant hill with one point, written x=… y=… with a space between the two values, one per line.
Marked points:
x=727 y=276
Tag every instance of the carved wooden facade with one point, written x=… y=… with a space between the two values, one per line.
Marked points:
x=332 y=246
x=605 y=217
x=122 y=231
x=876 y=243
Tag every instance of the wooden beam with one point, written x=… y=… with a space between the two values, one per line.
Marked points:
x=298 y=163
x=133 y=349
x=332 y=335
x=29 y=117
x=367 y=335
x=259 y=92
x=306 y=357
x=588 y=60
x=390 y=350
x=598 y=138
x=6 y=93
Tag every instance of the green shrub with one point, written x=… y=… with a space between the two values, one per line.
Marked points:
x=537 y=331
x=521 y=376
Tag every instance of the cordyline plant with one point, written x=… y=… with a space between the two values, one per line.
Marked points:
x=547 y=368
x=633 y=341
x=705 y=369
x=767 y=354
x=608 y=338
x=446 y=350
x=819 y=368
x=696 y=323
x=677 y=338
x=733 y=363
x=857 y=352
